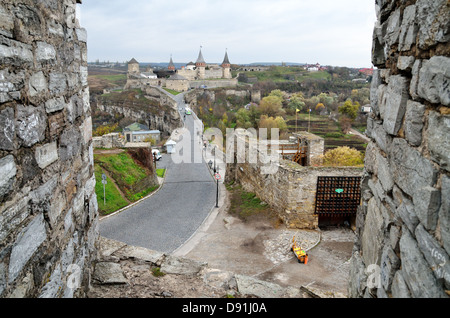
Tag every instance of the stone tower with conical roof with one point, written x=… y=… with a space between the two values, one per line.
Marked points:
x=226 y=66
x=200 y=65
x=133 y=67
x=171 y=66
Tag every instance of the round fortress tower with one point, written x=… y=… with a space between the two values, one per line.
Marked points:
x=200 y=65
x=226 y=73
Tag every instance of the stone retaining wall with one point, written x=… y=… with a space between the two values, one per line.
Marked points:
x=403 y=227
x=289 y=188
x=48 y=207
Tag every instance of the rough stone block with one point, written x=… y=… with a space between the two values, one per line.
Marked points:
x=438 y=136
x=84 y=75
x=55 y=28
x=414 y=122
x=13 y=213
x=10 y=85
x=86 y=130
x=7 y=177
x=57 y=205
x=45 y=52
x=408 y=29
x=55 y=104
x=416 y=271
x=81 y=35
x=405 y=63
x=383 y=139
x=434 y=27
x=14 y=52
x=395 y=99
x=435 y=255
x=407 y=214
x=427 y=201
x=58 y=83
x=392 y=28
x=69 y=143
x=179 y=265
x=376 y=81
x=46 y=154
x=399 y=288
x=434 y=80
x=6 y=21
x=410 y=170
x=37 y=84
x=415 y=79
x=358 y=282
x=54 y=286
x=31 y=124
x=444 y=213
x=390 y=263
x=109 y=273
x=384 y=173
x=7 y=129
x=381 y=100
x=26 y=245
x=372 y=237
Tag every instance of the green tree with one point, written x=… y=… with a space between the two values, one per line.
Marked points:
x=326 y=99
x=296 y=103
x=278 y=93
x=349 y=109
x=272 y=122
x=343 y=156
x=243 y=118
x=271 y=106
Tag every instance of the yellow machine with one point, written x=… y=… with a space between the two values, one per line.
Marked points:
x=301 y=255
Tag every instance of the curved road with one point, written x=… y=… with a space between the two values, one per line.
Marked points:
x=168 y=218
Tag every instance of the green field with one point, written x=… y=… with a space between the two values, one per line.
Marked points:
x=282 y=74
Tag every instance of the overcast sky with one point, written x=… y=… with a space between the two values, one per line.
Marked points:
x=329 y=32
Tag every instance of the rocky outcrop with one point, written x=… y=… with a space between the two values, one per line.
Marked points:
x=130 y=271
x=159 y=111
x=403 y=226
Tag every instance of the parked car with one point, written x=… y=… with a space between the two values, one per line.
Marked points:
x=156 y=154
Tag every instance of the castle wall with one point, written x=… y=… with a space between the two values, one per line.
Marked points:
x=289 y=189
x=403 y=227
x=48 y=207
x=214 y=83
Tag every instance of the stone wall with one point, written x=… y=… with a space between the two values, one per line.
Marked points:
x=403 y=227
x=214 y=83
x=289 y=188
x=48 y=207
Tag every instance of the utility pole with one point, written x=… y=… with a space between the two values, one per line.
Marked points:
x=216 y=177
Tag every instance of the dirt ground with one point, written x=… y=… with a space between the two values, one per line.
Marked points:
x=259 y=249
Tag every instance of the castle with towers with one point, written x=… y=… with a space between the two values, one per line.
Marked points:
x=193 y=75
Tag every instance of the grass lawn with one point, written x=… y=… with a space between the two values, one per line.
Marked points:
x=126 y=173
x=114 y=200
x=171 y=91
x=247 y=206
x=123 y=168
x=160 y=172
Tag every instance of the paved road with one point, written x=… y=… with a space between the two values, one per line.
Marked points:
x=168 y=218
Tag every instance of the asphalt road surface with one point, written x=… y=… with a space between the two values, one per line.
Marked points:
x=168 y=218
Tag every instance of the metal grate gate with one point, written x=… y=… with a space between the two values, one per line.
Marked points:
x=337 y=196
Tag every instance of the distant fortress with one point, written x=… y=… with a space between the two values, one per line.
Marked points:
x=198 y=75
